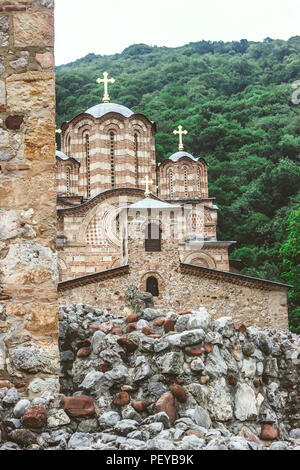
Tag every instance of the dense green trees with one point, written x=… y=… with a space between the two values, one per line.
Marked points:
x=235 y=100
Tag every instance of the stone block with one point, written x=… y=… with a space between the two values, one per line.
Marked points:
x=38 y=144
x=33 y=29
x=2 y=92
x=4 y=31
x=30 y=91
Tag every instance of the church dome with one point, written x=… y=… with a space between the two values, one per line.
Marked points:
x=104 y=108
x=178 y=155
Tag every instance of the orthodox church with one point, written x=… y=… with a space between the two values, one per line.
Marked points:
x=124 y=218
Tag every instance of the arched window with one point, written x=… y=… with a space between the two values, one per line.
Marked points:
x=136 y=150
x=171 y=188
x=152 y=286
x=152 y=237
x=199 y=180
x=88 y=164
x=185 y=172
x=68 y=180
x=112 y=158
x=69 y=146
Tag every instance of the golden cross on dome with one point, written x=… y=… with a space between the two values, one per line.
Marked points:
x=106 y=81
x=58 y=131
x=147 y=182
x=180 y=132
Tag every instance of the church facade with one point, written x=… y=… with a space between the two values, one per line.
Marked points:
x=124 y=219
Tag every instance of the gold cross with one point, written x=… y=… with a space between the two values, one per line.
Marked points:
x=147 y=182
x=58 y=131
x=106 y=81
x=181 y=133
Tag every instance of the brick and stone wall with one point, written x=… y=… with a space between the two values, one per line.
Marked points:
x=258 y=303
x=28 y=275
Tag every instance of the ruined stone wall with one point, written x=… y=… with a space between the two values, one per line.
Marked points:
x=28 y=275
x=160 y=382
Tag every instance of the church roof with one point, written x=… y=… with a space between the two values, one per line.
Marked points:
x=149 y=203
x=61 y=155
x=65 y=157
x=176 y=156
x=104 y=108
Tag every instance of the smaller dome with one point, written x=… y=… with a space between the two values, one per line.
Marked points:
x=177 y=156
x=104 y=108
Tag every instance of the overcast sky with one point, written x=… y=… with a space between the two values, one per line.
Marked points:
x=108 y=26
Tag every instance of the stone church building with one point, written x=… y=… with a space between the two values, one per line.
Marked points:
x=125 y=219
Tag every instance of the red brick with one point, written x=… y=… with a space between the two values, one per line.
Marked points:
x=78 y=406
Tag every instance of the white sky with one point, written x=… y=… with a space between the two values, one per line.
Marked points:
x=108 y=26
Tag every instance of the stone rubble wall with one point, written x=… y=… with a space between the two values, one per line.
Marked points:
x=160 y=382
x=28 y=261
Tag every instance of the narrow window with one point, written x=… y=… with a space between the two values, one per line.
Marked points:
x=152 y=286
x=171 y=188
x=69 y=147
x=68 y=180
x=136 y=150
x=88 y=165
x=185 y=181
x=199 y=180
x=152 y=238
x=112 y=158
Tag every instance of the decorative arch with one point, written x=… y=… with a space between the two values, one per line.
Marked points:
x=201 y=259
x=156 y=275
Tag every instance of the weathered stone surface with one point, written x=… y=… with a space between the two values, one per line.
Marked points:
x=46 y=60
x=4 y=31
x=199 y=319
x=34 y=417
x=248 y=435
x=33 y=29
x=136 y=301
x=186 y=338
x=78 y=406
x=171 y=363
x=225 y=326
x=2 y=92
x=140 y=405
x=169 y=325
x=143 y=369
x=179 y=393
x=245 y=403
x=59 y=418
x=215 y=365
x=38 y=126
x=21 y=407
x=220 y=401
x=127 y=344
x=108 y=419
x=121 y=399
x=269 y=432
x=30 y=91
x=248 y=348
x=166 y=403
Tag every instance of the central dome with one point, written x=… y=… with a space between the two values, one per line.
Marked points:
x=176 y=156
x=104 y=108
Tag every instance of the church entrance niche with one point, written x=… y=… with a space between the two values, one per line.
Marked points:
x=152 y=286
x=152 y=237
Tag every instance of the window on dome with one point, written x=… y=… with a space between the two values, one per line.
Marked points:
x=171 y=188
x=136 y=149
x=112 y=158
x=68 y=180
x=88 y=164
x=199 y=180
x=185 y=181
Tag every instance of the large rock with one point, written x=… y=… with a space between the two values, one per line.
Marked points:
x=170 y=363
x=220 y=401
x=166 y=403
x=199 y=319
x=245 y=403
x=78 y=406
x=186 y=338
x=109 y=419
x=215 y=364
x=199 y=416
x=21 y=407
x=143 y=369
x=225 y=326
x=137 y=301
x=34 y=417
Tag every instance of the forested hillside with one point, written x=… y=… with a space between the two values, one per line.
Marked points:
x=235 y=100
